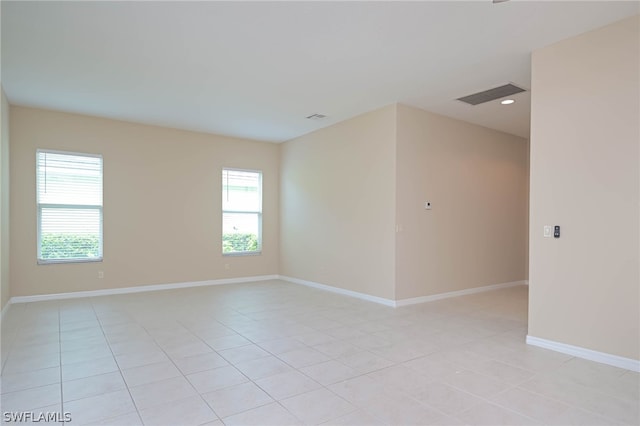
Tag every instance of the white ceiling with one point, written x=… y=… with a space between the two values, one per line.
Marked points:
x=257 y=69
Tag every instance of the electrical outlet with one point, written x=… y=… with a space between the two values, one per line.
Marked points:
x=101 y=274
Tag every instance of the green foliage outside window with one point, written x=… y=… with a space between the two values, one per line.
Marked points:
x=69 y=246
x=82 y=246
x=233 y=243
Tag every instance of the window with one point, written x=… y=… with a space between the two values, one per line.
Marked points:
x=241 y=212
x=69 y=198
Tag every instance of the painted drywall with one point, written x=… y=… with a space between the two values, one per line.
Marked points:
x=476 y=180
x=162 y=203
x=337 y=205
x=585 y=177
x=5 y=289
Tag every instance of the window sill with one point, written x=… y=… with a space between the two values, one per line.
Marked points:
x=63 y=261
x=243 y=253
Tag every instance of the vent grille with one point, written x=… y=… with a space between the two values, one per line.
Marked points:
x=491 y=94
x=316 y=116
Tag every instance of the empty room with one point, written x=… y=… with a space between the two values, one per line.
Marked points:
x=306 y=213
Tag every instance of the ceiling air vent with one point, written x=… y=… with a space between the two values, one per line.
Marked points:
x=491 y=94
x=316 y=116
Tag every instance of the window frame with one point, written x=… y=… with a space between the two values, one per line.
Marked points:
x=39 y=207
x=258 y=213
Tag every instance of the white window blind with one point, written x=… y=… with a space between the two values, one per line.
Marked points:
x=69 y=198
x=241 y=212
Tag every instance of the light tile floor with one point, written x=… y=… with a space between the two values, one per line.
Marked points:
x=274 y=353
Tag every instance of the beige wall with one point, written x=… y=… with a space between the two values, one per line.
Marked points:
x=337 y=205
x=5 y=290
x=585 y=177
x=476 y=179
x=162 y=203
x=336 y=193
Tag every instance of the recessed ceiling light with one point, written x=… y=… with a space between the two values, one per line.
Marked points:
x=507 y=102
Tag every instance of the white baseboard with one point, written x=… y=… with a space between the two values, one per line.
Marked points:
x=401 y=302
x=434 y=297
x=363 y=296
x=351 y=293
x=139 y=289
x=591 y=355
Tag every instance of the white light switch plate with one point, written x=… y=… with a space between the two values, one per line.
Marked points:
x=548 y=231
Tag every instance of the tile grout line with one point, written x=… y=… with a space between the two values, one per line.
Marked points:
x=527 y=390
x=184 y=376
x=322 y=386
x=118 y=365
x=248 y=378
x=11 y=348
x=251 y=380
x=571 y=404
x=273 y=322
